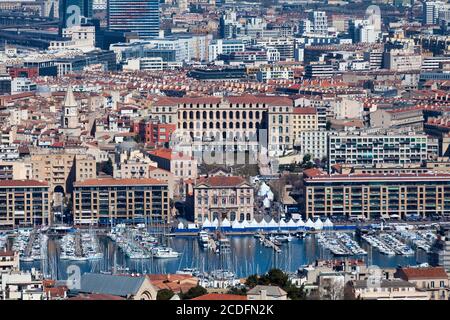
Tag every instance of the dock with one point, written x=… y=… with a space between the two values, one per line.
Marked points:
x=270 y=244
x=78 y=246
x=29 y=247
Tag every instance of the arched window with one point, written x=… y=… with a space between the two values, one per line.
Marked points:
x=230 y=125
x=184 y=114
x=217 y=115
x=191 y=125
x=238 y=125
x=242 y=217
x=191 y=114
x=244 y=115
x=250 y=125
x=230 y=115
x=205 y=126
x=224 y=125
x=244 y=125
x=205 y=114
x=224 y=114
x=211 y=115
x=217 y=125
x=184 y=125
x=211 y=125
x=197 y=115
x=250 y=115
x=238 y=115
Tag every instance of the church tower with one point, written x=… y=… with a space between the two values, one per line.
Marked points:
x=69 y=117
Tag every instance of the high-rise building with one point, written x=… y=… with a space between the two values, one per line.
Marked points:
x=71 y=11
x=319 y=22
x=431 y=10
x=139 y=16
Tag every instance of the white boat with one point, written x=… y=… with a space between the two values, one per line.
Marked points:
x=165 y=253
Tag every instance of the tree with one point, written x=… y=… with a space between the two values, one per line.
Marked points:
x=295 y=293
x=306 y=158
x=194 y=292
x=252 y=281
x=238 y=291
x=165 y=294
x=277 y=277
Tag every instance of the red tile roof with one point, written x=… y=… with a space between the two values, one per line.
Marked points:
x=118 y=182
x=169 y=154
x=308 y=110
x=222 y=181
x=424 y=273
x=22 y=183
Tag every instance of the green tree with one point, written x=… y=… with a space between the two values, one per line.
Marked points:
x=252 y=281
x=238 y=291
x=295 y=293
x=277 y=277
x=306 y=158
x=194 y=292
x=165 y=294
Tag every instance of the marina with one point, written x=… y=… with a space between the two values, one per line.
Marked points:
x=242 y=255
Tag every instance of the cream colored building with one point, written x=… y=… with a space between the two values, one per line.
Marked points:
x=60 y=170
x=236 y=118
x=220 y=197
x=304 y=119
x=163 y=175
x=388 y=290
x=15 y=170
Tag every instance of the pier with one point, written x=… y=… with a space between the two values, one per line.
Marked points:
x=268 y=243
x=29 y=247
x=78 y=245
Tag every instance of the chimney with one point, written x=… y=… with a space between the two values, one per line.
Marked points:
x=263 y=294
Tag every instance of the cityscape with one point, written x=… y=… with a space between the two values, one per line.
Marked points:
x=239 y=150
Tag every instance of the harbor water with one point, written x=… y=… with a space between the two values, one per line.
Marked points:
x=247 y=256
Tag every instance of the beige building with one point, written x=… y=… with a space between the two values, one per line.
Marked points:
x=24 y=203
x=163 y=175
x=15 y=170
x=388 y=290
x=266 y=293
x=236 y=118
x=411 y=118
x=9 y=261
x=433 y=280
x=102 y=201
x=181 y=165
x=304 y=119
x=60 y=170
x=220 y=197
x=133 y=165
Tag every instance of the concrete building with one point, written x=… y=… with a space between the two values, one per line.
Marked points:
x=266 y=293
x=100 y=201
x=25 y=203
x=388 y=290
x=314 y=143
x=220 y=197
x=433 y=280
x=366 y=150
x=9 y=261
x=15 y=170
x=396 y=118
x=376 y=196
x=60 y=170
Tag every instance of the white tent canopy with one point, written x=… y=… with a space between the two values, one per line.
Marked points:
x=270 y=195
x=253 y=224
x=244 y=224
x=328 y=223
x=291 y=223
x=318 y=224
x=272 y=223
x=226 y=223
x=309 y=223
x=300 y=223
x=181 y=225
x=235 y=224
x=215 y=223
x=206 y=223
x=262 y=223
x=282 y=223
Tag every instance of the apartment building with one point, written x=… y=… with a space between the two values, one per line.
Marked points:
x=375 y=195
x=220 y=197
x=24 y=203
x=433 y=280
x=15 y=170
x=237 y=119
x=388 y=290
x=366 y=150
x=410 y=118
x=304 y=119
x=9 y=261
x=314 y=143
x=100 y=201
x=60 y=170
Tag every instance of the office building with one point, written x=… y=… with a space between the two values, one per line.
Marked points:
x=139 y=16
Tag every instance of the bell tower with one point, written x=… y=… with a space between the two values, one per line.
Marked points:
x=69 y=117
